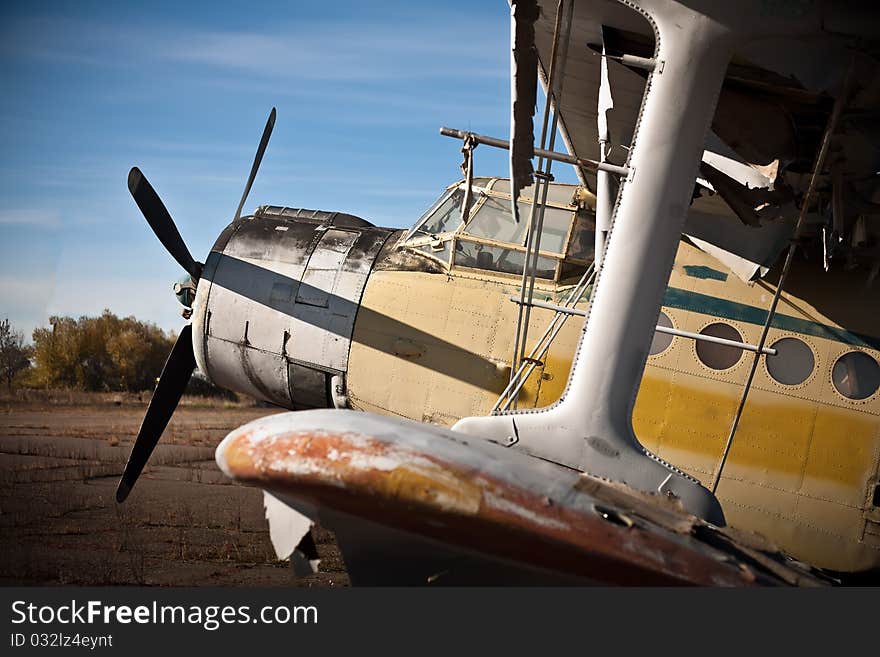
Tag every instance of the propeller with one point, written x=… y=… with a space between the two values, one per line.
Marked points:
x=181 y=362
x=172 y=382
x=160 y=221
x=258 y=157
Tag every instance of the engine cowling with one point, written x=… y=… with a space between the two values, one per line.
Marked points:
x=277 y=301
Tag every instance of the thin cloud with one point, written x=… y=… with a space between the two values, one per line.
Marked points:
x=333 y=52
x=340 y=51
x=30 y=217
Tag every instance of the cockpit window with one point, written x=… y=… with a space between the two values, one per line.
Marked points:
x=445 y=218
x=555 y=229
x=493 y=220
x=558 y=194
x=497 y=258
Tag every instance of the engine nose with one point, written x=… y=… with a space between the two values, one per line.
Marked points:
x=276 y=303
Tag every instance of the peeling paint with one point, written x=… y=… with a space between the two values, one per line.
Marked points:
x=478 y=496
x=701 y=271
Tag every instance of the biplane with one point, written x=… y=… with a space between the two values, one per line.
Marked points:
x=665 y=374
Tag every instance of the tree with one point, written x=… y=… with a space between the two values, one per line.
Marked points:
x=99 y=353
x=14 y=354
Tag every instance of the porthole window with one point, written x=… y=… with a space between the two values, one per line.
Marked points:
x=719 y=356
x=793 y=362
x=856 y=375
x=661 y=341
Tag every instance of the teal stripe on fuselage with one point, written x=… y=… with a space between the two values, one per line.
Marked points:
x=701 y=271
x=709 y=305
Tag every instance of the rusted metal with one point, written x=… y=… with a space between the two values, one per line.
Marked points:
x=480 y=496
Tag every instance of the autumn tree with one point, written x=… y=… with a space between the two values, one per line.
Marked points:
x=14 y=354
x=99 y=353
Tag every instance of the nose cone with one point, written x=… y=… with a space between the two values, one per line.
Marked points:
x=185 y=291
x=278 y=300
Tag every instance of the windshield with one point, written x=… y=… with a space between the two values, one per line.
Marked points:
x=445 y=218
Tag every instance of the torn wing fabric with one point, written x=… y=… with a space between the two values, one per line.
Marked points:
x=606 y=101
x=726 y=160
x=523 y=94
x=747 y=251
x=287 y=527
x=604 y=184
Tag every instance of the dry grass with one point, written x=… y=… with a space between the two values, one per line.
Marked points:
x=72 y=397
x=61 y=454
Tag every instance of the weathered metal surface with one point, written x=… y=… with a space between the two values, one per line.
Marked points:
x=337 y=219
x=281 y=291
x=479 y=496
x=392 y=258
x=328 y=298
x=434 y=348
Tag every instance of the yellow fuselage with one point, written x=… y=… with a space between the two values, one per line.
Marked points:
x=803 y=467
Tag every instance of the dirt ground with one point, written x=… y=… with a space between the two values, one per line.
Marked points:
x=184 y=524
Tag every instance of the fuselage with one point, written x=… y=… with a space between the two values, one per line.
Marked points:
x=420 y=325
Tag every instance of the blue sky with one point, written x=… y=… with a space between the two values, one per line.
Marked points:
x=182 y=90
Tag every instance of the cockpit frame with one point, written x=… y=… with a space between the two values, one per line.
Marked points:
x=449 y=248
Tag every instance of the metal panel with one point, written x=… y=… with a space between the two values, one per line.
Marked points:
x=259 y=374
x=256 y=280
x=324 y=265
x=274 y=240
x=329 y=296
x=308 y=387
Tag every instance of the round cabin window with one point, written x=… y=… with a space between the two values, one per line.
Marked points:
x=856 y=375
x=719 y=356
x=661 y=341
x=793 y=362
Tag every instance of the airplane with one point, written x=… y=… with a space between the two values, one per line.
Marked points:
x=701 y=404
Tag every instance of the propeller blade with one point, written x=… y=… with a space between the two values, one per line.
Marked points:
x=160 y=221
x=264 y=141
x=175 y=375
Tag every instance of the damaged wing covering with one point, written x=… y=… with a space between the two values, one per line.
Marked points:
x=290 y=533
x=773 y=108
x=523 y=95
